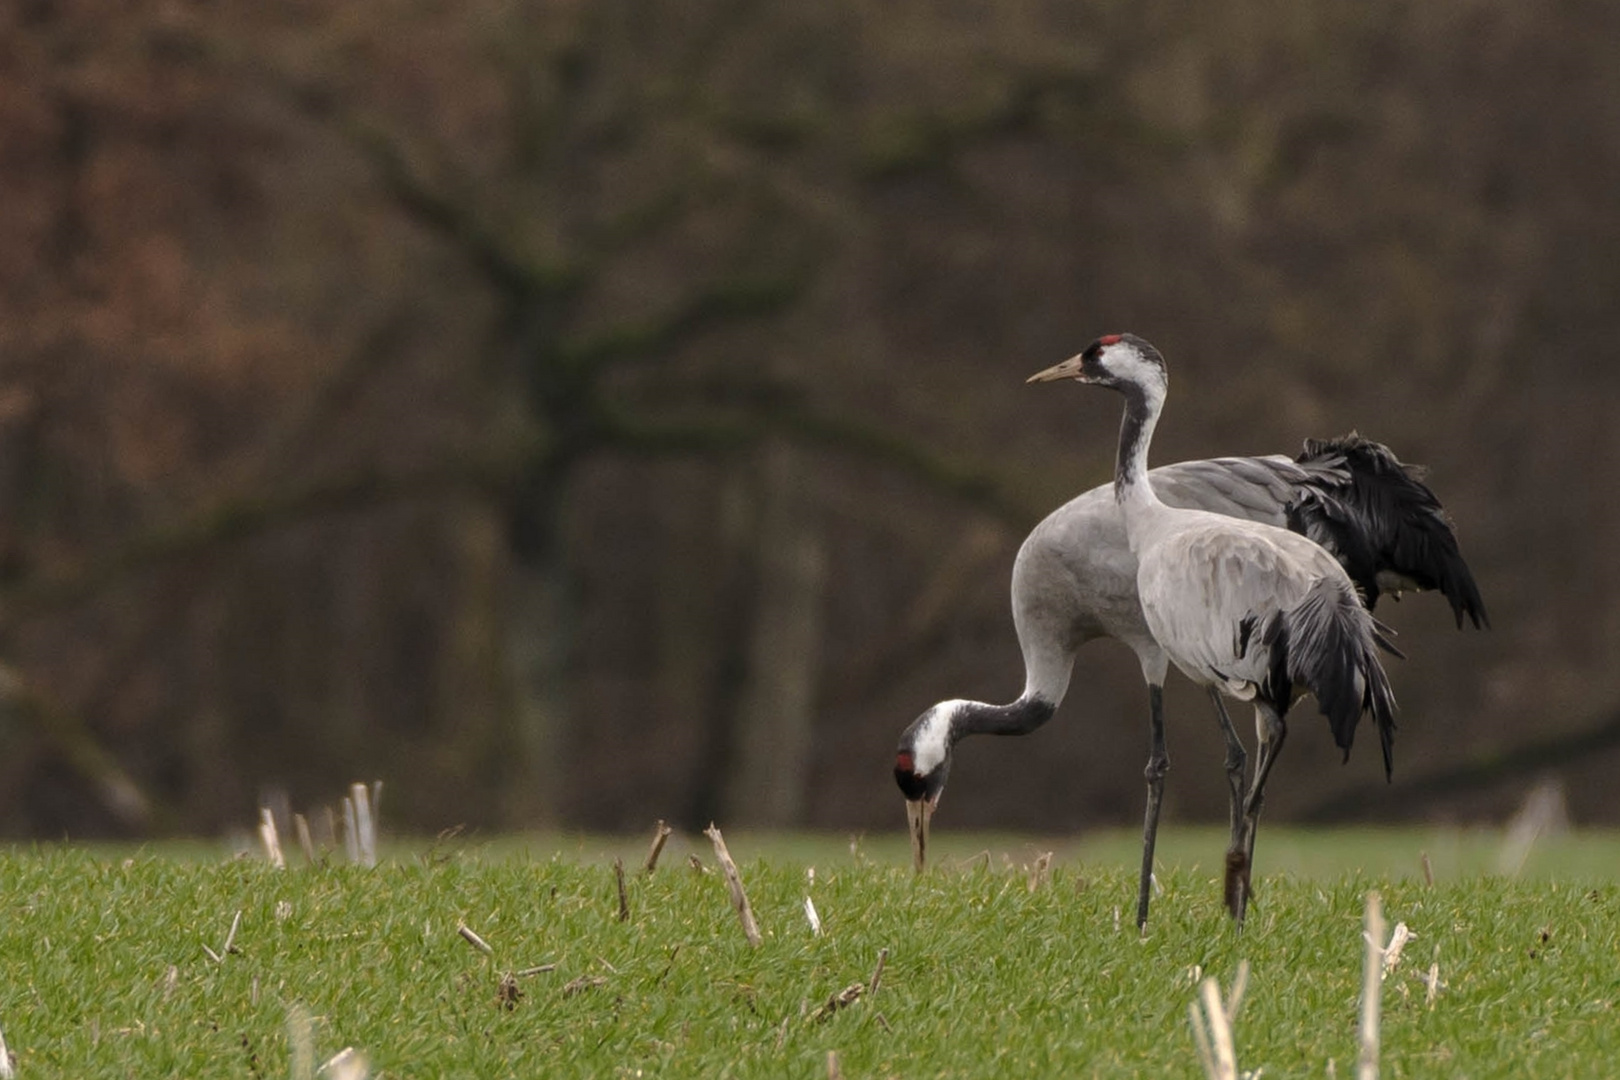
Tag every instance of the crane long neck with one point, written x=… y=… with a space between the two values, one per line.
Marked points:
x=1142 y=408
x=1019 y=718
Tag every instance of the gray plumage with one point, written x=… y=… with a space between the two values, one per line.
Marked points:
x=1244 y=607
x=1254 y=610
x=1076 y=579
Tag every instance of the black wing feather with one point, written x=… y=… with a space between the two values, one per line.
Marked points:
x=1375 y=513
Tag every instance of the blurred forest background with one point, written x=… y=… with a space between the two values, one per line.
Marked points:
x=578 y=412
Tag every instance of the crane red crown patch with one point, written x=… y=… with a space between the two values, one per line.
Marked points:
x=1109 y=339
x=902 y=762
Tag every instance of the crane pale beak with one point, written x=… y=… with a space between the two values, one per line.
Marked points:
x=1069 y=369
x=918 y=814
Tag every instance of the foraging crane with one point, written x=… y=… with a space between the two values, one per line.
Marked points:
x=1075 y=579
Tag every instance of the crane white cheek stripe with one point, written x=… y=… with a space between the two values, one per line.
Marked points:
x=933 y=737
x=1127 y=362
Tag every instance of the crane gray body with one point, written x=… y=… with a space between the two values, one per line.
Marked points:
x=1242 y=622
x=1243 y=607
x=1075 y=578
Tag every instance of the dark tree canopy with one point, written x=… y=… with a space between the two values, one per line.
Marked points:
x=588 y=413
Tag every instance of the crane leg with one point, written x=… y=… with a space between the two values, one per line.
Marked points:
x=1272 y=733
x=1158 y=764
x=1237 y=766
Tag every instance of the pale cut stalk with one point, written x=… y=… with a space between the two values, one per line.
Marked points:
x=270 y=838
x=739 y=898
x=1220 y=1033
x=305 y=842
x=365 y=827
x=351 y=838
x=660 y=835
x=1372 y=987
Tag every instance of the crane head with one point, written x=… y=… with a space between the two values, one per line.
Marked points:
x=1114 y=360
x=921 y=765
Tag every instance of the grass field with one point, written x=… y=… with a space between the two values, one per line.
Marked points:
x=103 y=970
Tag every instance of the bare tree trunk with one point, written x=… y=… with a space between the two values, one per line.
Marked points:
x=538 y=631
x=775 y=710
x=703 y=585
x=731 y=594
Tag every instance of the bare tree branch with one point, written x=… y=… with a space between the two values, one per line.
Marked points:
x=922 y=142
x=1484 y=771
x=923 y=627
x=511 y=272
x=79 y=748
x=326 y=403
x=826 y=431
x=250 y=514
x=720 y=303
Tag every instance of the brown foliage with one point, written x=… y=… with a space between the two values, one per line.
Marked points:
x=325 y=323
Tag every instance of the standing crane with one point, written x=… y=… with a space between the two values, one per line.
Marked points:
x=1075 y=580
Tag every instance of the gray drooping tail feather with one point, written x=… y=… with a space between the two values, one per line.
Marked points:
x=1328 y=643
